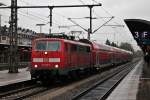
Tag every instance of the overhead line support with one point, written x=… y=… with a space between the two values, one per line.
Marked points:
x=63 y=6
x=13 y=49
x=90 y=30
x=51 y=9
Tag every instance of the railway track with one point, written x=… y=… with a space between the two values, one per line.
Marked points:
x=26 y=89
x=13 y=91
x=102 y=89
x=25 y=93
x=78 y=89
x=29 y=89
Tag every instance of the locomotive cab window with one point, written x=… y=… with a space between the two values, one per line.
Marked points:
x=48 y=45
x=53 y=45
x=40 y=45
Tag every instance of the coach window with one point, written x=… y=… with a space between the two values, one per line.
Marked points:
x=73 y=48
x=82 y=49
x=3 y=37
x=88 y=49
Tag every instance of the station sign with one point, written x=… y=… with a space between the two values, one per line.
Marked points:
x=142 y=35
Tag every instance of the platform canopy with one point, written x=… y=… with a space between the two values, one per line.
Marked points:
x=140 y=30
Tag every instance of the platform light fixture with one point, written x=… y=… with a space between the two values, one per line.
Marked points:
x=40 y=25
x=2 y=4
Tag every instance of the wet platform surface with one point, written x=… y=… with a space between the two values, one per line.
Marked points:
x=10 y=78
x=128 y=89
x=144 y=84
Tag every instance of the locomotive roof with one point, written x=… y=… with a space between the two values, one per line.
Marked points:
x=86 y=42
x=97 y=46
x=110 y=48
x=104 y=47
x=101 y=46
x=65 y=40
x=121 y=50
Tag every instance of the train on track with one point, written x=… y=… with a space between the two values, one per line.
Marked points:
x=54 y=57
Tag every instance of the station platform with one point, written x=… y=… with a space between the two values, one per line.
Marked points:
x=133 y=87
x=10 y=78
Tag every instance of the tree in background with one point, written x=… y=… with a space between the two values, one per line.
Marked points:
x=126 y=46
x=114 y=44
x=138 y=53
x=111 y=43
x=107 y=42
x=123 y=45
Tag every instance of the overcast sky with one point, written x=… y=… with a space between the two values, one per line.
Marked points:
x=121 y=9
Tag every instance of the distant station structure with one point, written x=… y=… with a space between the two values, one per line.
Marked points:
x=140 y=30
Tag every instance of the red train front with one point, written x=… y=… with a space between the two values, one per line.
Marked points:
x=53 y=56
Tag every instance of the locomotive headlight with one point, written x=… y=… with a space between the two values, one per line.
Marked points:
x=45 y=53
x=35 y=66
x=56 y=66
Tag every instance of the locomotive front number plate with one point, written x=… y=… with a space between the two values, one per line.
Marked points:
x=46 y=60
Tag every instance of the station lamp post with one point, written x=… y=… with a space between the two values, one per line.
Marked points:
x=1 y=4
x=13 y=35
x=40 y=25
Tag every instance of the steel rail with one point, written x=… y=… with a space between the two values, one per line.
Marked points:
x=22 y=93
x=83 y=93
x=5 y=94
x=12 y=88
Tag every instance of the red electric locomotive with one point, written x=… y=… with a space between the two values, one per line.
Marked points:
x=53 y=57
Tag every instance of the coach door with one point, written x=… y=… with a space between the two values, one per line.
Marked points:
x=97 y=58
x=69 y=54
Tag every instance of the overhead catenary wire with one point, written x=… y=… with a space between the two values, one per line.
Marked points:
x=53 y=6
x=98 y=16
x=117 y=24
x=62 y=15
x=35 y=15
x=30 y=14
x=109 y=26
x=81 y=2
x=44 y=20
